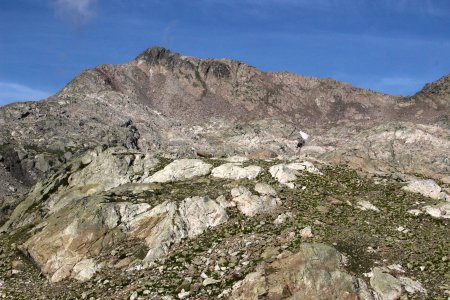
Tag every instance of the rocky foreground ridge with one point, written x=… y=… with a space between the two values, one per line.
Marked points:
x=172 y=177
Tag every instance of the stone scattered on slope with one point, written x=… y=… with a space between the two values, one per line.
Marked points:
x=439 y=211
x=282 y=218
x=181 y=169
x=224 y=202
x=183 y=294
x=445 y=179
x=283 y=173
x=265 y=189
x=304 y=166
x=210 y=281
x=286 y=173
x=41 y=163
x=315 y=272
x=306 y=233
x=251 y=205
x=388 y=287
x=236 y=159
x=427 y=188
x=134 y=295
x=412 y=286
x=85 y=269
x=235 y=171
x=415 y=212
x=366 y=205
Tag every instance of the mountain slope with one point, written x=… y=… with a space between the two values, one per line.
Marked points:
x=196 y=90
x=176 y=104
x=165 y=92
x=274 y=168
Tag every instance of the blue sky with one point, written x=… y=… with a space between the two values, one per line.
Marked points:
x=393 y=46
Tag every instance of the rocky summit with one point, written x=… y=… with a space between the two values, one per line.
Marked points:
x=173 y=177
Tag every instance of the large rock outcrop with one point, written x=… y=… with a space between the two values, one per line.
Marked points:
x=95 y=171
x=315 y=272
x=236 y=171
x=93 y=224
x=179 y=170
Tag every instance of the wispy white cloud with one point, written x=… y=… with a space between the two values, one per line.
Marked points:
x=12 y=92
x=78 y=12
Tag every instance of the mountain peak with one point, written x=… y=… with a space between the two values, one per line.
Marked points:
x=156 y=54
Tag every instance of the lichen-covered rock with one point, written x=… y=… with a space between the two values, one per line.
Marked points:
x=314 y=272
x=59 y=246
x=96 y=171
x=168 y=223
x=236 y=159
x=265 y=189
x=412 y=286
x=66 y=249
x=439 y=211
x=181 y=169
x=386 y=286
x=251 y=205
x=200 y=213
x=366 y=205
x=236 y=171
x=427 y=188
x=42 y=163
x=285 y=173
x=282 y=218
x=159 y=228
x=85 y=269
x=304 y=166
x=105 y=170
